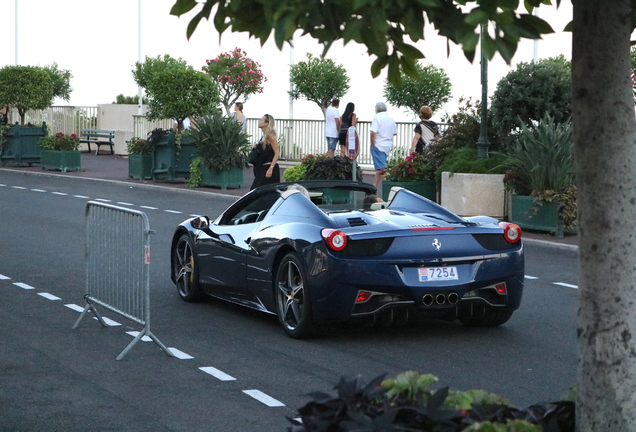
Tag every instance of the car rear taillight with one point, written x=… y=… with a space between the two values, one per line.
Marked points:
x=512 y=232
x=335 y=239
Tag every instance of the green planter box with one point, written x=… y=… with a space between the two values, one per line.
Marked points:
x=425 y=188
x=169 y=161
x=222 y=179
x=61 y=160
x=140 y=166
x=22 y=145
x=528 y=215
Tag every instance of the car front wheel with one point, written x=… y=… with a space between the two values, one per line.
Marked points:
x=292 y=298
x=186 y=274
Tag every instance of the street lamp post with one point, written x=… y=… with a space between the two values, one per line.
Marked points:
x=482 y=142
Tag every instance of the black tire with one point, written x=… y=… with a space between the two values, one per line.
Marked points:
x=485 y=317
x=185 y=270
x=292 y=298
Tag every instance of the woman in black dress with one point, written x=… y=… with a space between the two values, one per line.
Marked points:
x=349 y=118
x=266 y=169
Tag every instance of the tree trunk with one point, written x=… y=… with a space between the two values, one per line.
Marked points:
x=605 y=137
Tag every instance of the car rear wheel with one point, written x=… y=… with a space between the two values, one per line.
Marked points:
x=186 y=273
x=292 y=298
x=485 y=317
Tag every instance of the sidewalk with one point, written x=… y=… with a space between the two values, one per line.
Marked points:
x=115 y=168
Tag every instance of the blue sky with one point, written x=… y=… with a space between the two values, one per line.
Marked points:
x=99 y=43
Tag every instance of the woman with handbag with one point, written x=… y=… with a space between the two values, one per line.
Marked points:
x=266 y=168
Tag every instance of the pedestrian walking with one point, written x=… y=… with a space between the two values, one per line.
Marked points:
x=383 y=129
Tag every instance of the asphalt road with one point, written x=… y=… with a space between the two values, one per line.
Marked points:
x=238 y=370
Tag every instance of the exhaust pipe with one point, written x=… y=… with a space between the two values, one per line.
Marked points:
x=440 y=299
x=427 y=300
x=453 y=298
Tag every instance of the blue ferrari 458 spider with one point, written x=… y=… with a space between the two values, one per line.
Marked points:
x=323 y=251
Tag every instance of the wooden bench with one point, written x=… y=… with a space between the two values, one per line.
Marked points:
x=99 y=137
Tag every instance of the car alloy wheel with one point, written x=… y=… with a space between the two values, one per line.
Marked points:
x=292 y=298
x=185 y=270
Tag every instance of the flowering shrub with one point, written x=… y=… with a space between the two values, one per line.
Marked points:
x=139 y=146
x=60 y=141
x=413 y=168
x=237 y=75
x=329 y=168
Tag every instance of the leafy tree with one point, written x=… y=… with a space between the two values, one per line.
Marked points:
x=26 y=88
x=532 y=91
x=604 y=132
x=33 y=87
x=237 y=75
x=432 y=87
x=175 y=90
x=120 y=99
x=61 y=81
x=318 y=80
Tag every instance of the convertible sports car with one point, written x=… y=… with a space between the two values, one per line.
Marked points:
x=322 y=252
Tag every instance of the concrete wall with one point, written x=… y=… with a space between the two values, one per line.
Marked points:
x=119 y=118
x=474 y=194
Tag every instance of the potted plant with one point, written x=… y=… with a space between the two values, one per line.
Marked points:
x=414 y=173
x=175 y=91
x=29 y=88
x=541 y=177
x=471 y=185
x=139 y=158
x=223 y=150
x=60 y=152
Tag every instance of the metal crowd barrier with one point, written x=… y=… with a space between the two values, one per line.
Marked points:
x=117 y=266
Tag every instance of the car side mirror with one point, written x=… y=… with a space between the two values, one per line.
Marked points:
x=201 y=222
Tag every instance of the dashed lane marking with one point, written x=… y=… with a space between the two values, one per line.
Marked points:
x=80 y=196
x=59 y=193
x=38 y=190
x=148 y=207
x=74 y=307
x=172 y=211
x=567 y=285
x=23 y=285
x=49 y=296
x=3 y=277
x=19 y=187
x=531 y=277
x=263 y=398
x=125 y=203
x=220 y=375
x=180 y=354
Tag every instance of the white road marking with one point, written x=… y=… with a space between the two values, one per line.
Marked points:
x=75 y=307
x=136 y=333
x=38 y=190
x=2 y=184
x=149 y=208
x=109 y=322
x=81 y=196
x=23 y=285
x=172 y=211
x=531 y=277
x=102 y=200
x=262 y=397
x=125 y=203
x=59 y=193
x=220 y=375
x=18 y=187
x=180 y=354
x=49 y=296
x=3 y=277
x=563 y=284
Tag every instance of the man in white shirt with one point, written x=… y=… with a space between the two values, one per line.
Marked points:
x=383 y=130
x=332 y=126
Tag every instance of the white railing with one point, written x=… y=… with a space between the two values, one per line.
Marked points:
x=68 y=119
x=297 y=138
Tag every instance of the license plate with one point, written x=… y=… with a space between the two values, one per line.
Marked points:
x=428 y=274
